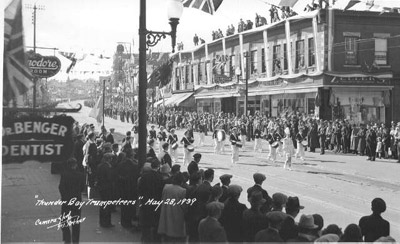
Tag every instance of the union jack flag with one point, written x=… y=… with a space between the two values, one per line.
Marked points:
x=17 y=76
x=70 y=56
x=208 y=6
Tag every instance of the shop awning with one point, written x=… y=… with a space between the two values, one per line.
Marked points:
x=218 y=95
x=178 y=98
x=160 y=102
x=283 y=91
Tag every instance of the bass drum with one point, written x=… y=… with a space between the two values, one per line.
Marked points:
x=239 y=144
x=221 y=135
x=275 y=144
x=174 y=146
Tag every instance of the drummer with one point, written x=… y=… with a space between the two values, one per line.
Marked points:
x=278 y=138
x=234 y=139
x=187 y=141
x=162 y=136
x=300 y=139
x=257 y=139
x=288 y=149
x=272 y=146
x=173 y=140
x=219 y=138
x=202 y=132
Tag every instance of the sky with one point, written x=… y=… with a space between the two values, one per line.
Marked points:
x=97 y=25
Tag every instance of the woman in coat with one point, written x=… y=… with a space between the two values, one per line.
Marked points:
x=354 y=139
x=362 y=142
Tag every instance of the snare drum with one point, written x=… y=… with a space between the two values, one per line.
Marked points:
x=190 y=148
x=239 y=144
x=304 y=143
x=174 y=146
x=221 y=135
x=275 y=144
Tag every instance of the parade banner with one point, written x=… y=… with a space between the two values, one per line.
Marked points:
x=37 y=138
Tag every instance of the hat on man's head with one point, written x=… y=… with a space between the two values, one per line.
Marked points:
x=216 y=190
x=112 y=129
x=175 y=168
x=197 y=155
x=212 y=206
x=279 y=199
x=257 y=197
x=225 y=177
x=276 y=216
x=293 y=203
x=258 y=177
x=327 y=238
x=307 y=222
x=91 y=125
x=234 y=190
x=165 y=169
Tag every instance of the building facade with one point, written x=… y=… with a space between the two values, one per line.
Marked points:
x=338 y=65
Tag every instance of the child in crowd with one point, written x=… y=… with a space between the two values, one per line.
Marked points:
x=379 y=148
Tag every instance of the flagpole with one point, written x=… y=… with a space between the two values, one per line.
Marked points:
x=104 y=97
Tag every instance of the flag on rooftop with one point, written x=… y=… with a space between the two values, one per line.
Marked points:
x=288 y=3
x=208 y=6
x=17 y=76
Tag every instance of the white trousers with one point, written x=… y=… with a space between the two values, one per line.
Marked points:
x=272 y=153
x=217 y=146
x=202 y=138
x=258 y=144
x=187 y=156
x=235 y=154
x=300 y=151
x=174 y=155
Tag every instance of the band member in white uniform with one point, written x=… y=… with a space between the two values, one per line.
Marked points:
x=162 y=136
x=272 y=148
x=202 y=132
x=234 y=139
x=278 y=137
x=300 y=148
x=172 y=139
x=135 y=130
x=257 y=139
x=288 y=149
x=187 y=141
x=219 y=138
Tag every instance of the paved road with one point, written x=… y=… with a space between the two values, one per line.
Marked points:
x=339 y=187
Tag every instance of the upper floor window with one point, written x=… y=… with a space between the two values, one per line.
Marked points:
x=253 y=62
x=276 y=59
x=381 y=49
x=351 y=50
x=263 y=66
x=311 y=52
x=200 y=72
x=300 y=54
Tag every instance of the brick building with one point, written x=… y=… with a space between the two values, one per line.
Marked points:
x=339 y=65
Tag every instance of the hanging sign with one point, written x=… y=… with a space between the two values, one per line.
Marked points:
x=37 y=138
x=44 y=66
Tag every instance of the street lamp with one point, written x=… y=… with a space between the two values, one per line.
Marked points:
x=149 y=39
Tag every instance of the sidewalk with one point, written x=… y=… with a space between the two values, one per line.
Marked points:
x=23 y=185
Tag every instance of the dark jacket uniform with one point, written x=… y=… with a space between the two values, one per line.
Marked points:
x=231 y=219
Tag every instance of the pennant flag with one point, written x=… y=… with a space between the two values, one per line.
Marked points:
x=70 y=56
x=97 y=110
x=288 y=3
x=351 y=3
x=208 y=6
x=17 y=76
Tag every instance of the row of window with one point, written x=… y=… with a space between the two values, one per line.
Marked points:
x=352 y=50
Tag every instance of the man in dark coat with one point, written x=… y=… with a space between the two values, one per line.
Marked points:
x=271 y=234
x=210 y=230
x=110 y=138
x=322 y=137
x=231 y=217
x=371 y=143
x=150 y=187
x=225 y=181
x=128 y=175
x=258 y=180
x=72 y=183
x=374 y=226
x=254 y=219
x=289 y=228
x=105 y=183
x=194 y=165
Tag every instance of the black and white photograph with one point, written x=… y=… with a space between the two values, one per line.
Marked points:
x=200 y=121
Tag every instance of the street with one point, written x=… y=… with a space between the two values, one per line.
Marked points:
x=338 y=187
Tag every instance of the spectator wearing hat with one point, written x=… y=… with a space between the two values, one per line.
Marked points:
x=216 y=193
x=172 y=219
x=278 y=201
x=210 y=230
x=110 y=138
x=232 y=214
x=150 y=150
x=306 y=229
x=72 y=183
x=164 y=156
x=115 y=149
x=271 y=234
x=225 y=181
x=352 y=233
x=193 y=216
x=194 y=165
x=289 y=228
x=258 y=180
x=319 y=221
x=234 y=139
x=105 y=182
x=172 y=139
x=128 y=175
x=78 y=151
x=332 y=229
x=152 y=133
x=374 y=226
x=150 y=186
x=253 y=219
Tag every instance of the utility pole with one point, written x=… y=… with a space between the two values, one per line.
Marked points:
x=246 y=56
x=39 y=7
